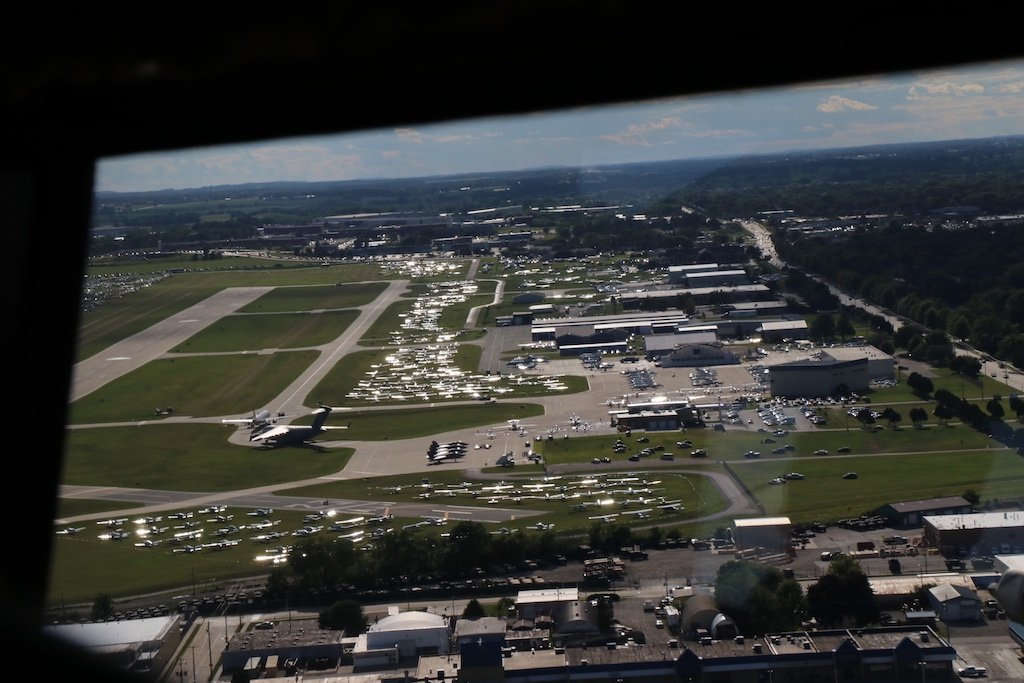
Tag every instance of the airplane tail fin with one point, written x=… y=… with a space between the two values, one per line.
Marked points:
x=322 y=413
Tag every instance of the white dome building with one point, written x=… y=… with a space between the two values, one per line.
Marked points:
x=402 y=635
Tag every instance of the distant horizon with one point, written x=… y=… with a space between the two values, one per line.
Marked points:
x=939 y=105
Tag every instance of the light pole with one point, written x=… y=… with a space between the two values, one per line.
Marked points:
x=181 y=673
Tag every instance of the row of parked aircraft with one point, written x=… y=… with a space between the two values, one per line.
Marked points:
x=444 y=452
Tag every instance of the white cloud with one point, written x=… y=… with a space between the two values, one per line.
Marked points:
x=945 y=87
x=637 y=133
x=837 y=103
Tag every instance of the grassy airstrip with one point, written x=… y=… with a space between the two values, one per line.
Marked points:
x=893 y=464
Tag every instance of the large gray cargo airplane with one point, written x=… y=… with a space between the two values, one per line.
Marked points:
x=286 y=435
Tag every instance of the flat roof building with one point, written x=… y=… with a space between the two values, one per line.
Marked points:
x=135 y=645
x=985 y=533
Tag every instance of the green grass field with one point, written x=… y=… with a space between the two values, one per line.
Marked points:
x=193 y=386
x=824 y=495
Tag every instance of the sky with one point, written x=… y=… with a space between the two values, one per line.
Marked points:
x=978 y=101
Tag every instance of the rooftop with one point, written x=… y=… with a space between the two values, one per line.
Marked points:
x=548 y=595
x=108 y=633
x=409 y=621
x=929 y=504
x=976 y=520
x=761 y=521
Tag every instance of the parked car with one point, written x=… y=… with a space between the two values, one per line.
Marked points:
x=850 y=475
x=972 y=672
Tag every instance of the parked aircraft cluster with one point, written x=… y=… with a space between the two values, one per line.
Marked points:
x=429 y=372
x=183 y=532
x=423 y=368
x=421 y=325
x=411 y=268
x=618 y=494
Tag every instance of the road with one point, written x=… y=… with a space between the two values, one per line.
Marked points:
x=992 y=366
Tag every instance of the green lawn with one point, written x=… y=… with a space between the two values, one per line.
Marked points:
x=193 y=386
x=320 y=297
x=733 y=444
x=253 y=332
x=824 y=495
x=405 y=423
x=192 y=457
x=123 y=317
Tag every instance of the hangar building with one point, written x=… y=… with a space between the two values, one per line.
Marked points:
x=399 y=636
x=698 y=355
x=701 y=615
x=817 y=377
x=853 y=366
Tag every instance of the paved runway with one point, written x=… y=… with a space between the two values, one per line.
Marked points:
x=589 y=410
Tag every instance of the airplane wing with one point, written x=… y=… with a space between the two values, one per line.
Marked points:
x=272 y=433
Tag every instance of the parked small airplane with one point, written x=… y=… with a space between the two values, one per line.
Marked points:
x=258 y=420
x=605 y=518
x=284 y=435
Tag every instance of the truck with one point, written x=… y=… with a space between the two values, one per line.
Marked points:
x=671 y=617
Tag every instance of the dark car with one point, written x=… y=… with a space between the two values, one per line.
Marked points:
x=850 y=475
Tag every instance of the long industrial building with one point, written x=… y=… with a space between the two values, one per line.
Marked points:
x=987 y=533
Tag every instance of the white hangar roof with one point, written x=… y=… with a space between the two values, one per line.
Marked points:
x=409 y=621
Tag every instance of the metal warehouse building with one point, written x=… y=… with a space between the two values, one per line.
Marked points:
x=985 y=532
x=913 y=512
